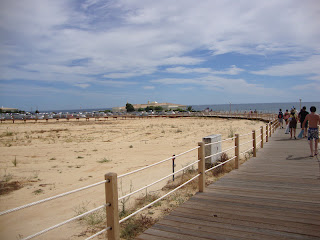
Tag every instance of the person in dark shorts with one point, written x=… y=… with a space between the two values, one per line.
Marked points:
x=293 y=123
x=313 y=130
x=302 y=115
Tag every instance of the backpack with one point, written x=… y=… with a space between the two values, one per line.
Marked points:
x=280 y=115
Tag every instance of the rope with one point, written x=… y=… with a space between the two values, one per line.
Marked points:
x=98 y=233
x=129 y=173
x=245 y=143
x=150 y=204
x=220 y=164
x=246 y=151
x=51 y=198
x=62 y=223
x=220 y=152
x=245 y=134
x=128 y=195
x=259 y=136
x=228 y=139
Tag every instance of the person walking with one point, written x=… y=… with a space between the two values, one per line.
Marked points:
x=286 y=116
x=280 y=118
x=293 y=123
x=313 y=130
x=302 y=115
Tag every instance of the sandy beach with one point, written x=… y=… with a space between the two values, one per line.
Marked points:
x=45 y=159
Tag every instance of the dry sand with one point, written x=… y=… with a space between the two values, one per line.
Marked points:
x=55 y=157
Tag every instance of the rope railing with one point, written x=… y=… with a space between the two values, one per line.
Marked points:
x=51 y=198
x=246 y=142
x=228 y=139
x=63 y=223
x=220 y=152
x=246 y=151
x=245 y=134
x=150 y=204
x=220 y=164
x=98 y=233
x=170 y=158
x=151 y=184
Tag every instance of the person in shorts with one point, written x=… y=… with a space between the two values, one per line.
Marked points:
x=286 y=116
x=313 y=130
x=293 y=124
x=302 y=115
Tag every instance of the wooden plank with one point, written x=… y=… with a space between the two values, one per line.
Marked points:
x=259 y=222
x=208 y=232
x=274 y=213
x=232 y=230
x=265 y=201
x=273 y=194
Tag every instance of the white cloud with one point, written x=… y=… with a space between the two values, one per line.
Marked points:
x=82 y=85
x=227 y=85
x=90 y=42
x=312 y=87
x=149 y=87
x=233 y=70
x=125 y=35
x=308 y=66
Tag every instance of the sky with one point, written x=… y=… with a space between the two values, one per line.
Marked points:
x=72 y=54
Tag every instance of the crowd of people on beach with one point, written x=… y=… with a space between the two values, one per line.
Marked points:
x=308 y=122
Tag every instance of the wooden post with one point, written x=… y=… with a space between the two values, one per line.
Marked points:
x=201 y=166
x=237 y=151
x=112 y=210
x=261 y=129
x=267 y=132
x=270 y=128
x=254 y=143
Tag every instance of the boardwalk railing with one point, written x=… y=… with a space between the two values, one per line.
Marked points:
x=111 y=180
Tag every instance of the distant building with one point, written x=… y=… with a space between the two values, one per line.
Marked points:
x=8 y=110
x=165 y=106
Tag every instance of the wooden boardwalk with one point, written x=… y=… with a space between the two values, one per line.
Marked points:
x=273 y=196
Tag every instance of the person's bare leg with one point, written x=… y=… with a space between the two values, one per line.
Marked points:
x=294 y=133
x=311 y=147
x=290 y=132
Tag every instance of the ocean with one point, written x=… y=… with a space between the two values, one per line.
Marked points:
x=260 y=107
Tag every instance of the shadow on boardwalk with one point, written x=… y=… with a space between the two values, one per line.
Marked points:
x=273 y=196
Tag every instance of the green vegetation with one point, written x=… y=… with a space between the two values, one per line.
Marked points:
x=14 y=162
x=38 y=191
x=129 y=107
x=92 y=219
x=104 y=160
x=231 y=133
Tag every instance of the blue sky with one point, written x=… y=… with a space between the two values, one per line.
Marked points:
x=97 y=54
